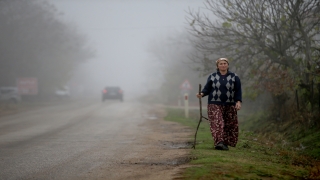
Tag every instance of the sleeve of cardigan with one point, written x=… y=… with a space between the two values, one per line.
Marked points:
x=207 y=88
x=237 y=90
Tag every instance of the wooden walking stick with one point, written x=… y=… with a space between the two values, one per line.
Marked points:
x=195 y=136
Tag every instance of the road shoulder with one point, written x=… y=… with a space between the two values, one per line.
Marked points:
x=160 y=151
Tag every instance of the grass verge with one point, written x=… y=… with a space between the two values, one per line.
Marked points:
x=255 y=157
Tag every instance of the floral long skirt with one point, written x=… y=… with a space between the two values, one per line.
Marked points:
x=223 y=122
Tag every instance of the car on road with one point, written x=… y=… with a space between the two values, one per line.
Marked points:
x=9 y=95
x=112 y=92
x=62 y=92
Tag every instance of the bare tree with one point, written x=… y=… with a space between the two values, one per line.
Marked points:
x=271 y=42
x=171 y=67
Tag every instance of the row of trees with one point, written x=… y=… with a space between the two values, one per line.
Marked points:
x=34 y=42
x=273 y=44
x=170 y=67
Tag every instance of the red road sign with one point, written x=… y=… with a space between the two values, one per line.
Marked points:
x=27 y=86
x=186 y=85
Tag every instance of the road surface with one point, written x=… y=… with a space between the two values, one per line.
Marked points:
x=92 y=140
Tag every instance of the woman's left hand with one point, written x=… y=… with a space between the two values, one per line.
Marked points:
x=238 y=105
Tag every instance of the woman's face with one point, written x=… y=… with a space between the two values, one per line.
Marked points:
x=223 y=65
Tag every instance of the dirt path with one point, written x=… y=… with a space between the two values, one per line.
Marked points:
x=160 y=153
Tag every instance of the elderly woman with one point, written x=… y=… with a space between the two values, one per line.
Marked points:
x=223 y=88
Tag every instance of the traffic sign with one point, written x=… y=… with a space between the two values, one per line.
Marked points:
x=186 y=85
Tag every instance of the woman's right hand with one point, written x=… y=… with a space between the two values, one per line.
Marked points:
x=199 y=95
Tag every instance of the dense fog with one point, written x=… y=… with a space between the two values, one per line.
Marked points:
x=121 y=33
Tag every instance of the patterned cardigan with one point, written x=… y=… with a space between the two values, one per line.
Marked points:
x=223 y=90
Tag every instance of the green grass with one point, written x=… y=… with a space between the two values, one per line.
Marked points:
x=297 y=134
x=255 y=157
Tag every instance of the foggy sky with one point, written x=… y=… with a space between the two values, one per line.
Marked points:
x=120 y=30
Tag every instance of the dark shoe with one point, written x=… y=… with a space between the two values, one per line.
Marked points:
x=221 y=146
x=225 y=147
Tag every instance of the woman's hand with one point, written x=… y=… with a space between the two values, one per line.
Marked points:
x=199 y=95
x=238 y=105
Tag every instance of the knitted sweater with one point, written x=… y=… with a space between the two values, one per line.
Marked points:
x=223 y=89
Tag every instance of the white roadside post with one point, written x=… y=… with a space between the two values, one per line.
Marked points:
x=185 y=88
x=186 y=105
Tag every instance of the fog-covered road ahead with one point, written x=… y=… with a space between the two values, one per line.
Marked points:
x=67 y=141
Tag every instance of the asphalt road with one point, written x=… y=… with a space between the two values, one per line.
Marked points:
x=68 y=140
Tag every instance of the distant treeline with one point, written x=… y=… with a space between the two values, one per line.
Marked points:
x=35 y=43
